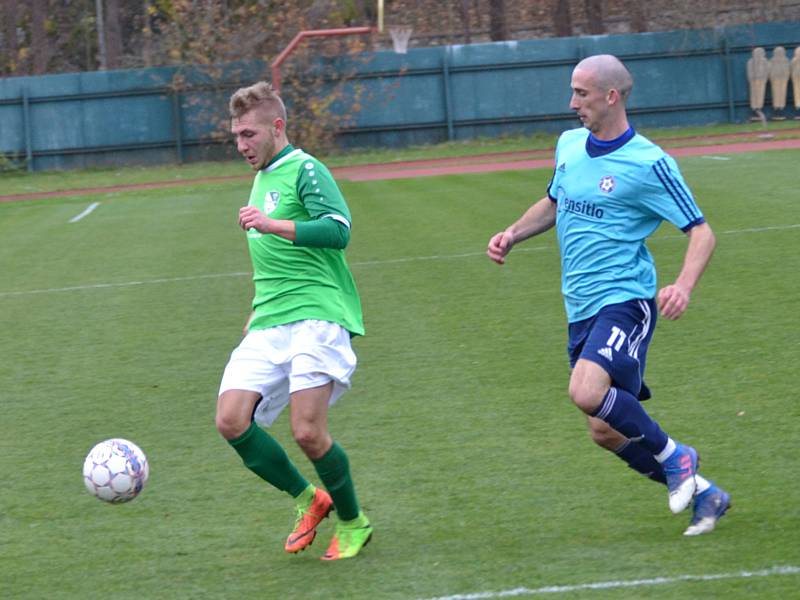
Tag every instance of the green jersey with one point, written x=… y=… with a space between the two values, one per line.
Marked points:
x=295 y=283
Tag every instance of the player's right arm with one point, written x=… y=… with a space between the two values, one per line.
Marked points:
x=537 y=219
x=247 y=323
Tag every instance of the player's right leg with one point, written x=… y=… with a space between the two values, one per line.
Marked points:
x=255 y=387
x=606 y=381
x=709 y=507
x=265 y=457
x=259 y=451
x=624 y=413
x=710 y=501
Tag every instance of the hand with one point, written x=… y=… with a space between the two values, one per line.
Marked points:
x=252 y=218
x=673 y=301
x=499 y=246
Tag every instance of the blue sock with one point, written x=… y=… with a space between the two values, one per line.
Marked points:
x=624 y=413
x=641 y=461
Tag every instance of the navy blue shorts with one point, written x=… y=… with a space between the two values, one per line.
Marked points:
x=616 y=338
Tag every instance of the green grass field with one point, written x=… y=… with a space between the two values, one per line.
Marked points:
x=468 y=455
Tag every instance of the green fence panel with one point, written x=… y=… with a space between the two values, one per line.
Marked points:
x=174 y=114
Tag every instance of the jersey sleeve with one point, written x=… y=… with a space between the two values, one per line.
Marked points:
x=322 y=233
x=668 y=197
x=552 y=187
x=319 y=193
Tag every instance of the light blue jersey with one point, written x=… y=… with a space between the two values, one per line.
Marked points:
x=610 y=197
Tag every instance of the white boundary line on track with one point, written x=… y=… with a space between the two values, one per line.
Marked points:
x=630 y=583
x=365 y=263
x=85 y=213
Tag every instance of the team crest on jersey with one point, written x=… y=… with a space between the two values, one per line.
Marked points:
x=607 y=184
x=271 y=200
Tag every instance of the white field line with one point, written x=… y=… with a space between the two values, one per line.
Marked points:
x=97 y=286
x=716 y=157
x=394 y=261
x=365 y=263
x=85 y=213
x=629 y=583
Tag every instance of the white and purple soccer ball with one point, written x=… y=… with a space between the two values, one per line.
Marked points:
x=115 y=470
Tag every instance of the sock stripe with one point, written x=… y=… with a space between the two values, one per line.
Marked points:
x=608 y=404
x=624 y=445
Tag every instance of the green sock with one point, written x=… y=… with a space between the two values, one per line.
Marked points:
x=334 y=471
x=360 y=521
x=306 y=497
x=266 y=458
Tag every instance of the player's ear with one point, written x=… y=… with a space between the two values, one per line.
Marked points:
x=279 y=125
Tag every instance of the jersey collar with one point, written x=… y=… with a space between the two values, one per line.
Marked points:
x=595 y=147
x=280 y=157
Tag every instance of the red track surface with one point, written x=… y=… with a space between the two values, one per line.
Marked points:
x=519 y=162
x=505 y=161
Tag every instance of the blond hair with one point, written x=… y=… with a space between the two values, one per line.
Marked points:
x=259 y=96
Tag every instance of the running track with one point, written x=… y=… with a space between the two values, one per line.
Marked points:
x=489 y=163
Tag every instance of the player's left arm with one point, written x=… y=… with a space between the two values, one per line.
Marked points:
x=330 y=221
x=674 y=298
x=666 y=196
x=329 y=224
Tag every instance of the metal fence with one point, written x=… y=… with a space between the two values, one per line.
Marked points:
x=427 y=95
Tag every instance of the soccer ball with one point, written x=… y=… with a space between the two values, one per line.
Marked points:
x=115 y=470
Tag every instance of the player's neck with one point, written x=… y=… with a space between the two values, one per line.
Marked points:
x=612 y=131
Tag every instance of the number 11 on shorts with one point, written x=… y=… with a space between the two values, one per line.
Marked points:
x=616 y=339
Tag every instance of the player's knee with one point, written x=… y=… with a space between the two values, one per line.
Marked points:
x=585 y=397
x=230 y=426
x=310 y=437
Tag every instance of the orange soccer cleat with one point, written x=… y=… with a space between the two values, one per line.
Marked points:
x=308 y=517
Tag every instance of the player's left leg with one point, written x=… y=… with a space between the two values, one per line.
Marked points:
x=309 y=417
x=634 y=455
x=606 y=382
x=710 y=501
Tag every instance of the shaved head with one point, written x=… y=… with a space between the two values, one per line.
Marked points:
x=609 y=73
x=600 y=87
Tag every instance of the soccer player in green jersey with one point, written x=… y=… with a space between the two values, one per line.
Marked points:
x=296 y=350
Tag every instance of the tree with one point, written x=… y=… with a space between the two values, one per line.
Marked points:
x=10 y=48
x=562 y=18
x=594 y=16
x=498 y=31
x=113 y=35
x=40 y=46
x=465 y=21
x=636 y=10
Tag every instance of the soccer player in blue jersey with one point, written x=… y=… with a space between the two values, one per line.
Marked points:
x=611 y=189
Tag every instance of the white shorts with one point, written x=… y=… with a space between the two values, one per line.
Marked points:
x=280 y=360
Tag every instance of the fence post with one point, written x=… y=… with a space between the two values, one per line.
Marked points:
x=177 y=116
x=448 y=102
x=726 y=59
x=26 y=125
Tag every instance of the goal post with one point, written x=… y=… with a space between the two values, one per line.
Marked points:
x=275 y=66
